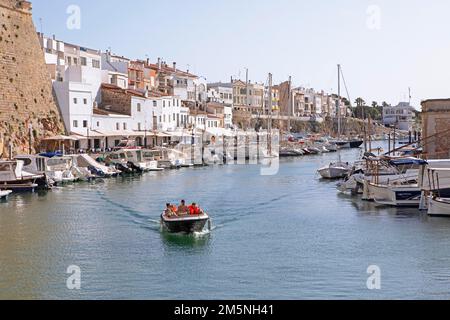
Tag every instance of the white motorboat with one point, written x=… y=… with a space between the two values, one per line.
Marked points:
x=4 y=194
x=396 y=195
x=13 y=178
x=439 y=207
x=337 y=170
x=86 y=161
x=60 y=170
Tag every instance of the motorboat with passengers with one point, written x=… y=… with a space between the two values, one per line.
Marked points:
x=185 y=222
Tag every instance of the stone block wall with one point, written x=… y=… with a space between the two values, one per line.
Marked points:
x=26 y=95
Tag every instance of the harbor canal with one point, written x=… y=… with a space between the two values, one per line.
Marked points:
x=287 y=236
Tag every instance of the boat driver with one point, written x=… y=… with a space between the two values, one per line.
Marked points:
x=182 y=208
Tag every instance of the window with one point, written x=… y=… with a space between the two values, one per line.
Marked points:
x=98 y=124
x=139 y=126
x=75 y=61
x=155 y=103
x=174 y=117
x=164 y=103
x=85 y=123
x=96 y=64
x=124 y=126
x=117 y=126
x=139 y=107
x=69 y=61
x=75 y=100
x=75 y=123
x=83 y=61
x=85 y=101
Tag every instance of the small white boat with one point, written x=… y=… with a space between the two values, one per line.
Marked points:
x=4 y=194
x=439 y=207
x=337 y=170
x=396 y=195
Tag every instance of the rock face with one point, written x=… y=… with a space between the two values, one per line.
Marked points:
x=26 y=96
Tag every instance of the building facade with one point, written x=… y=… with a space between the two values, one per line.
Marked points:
x=401 y=115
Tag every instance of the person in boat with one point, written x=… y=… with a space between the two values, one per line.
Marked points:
x=169 y=212
x=182 y=208
x=194 y=210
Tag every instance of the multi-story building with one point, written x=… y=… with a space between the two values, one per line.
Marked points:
x=189 y=88
x=274 y=102
x=253 y=91
x=115 y=70
x=223 y=112
x=401 y=115
x=221 y=93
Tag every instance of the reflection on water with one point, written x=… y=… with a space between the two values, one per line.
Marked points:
x=286 y=236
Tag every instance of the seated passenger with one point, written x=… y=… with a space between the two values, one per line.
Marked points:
x=182 y=208
x=169 y=211
x=194 y=210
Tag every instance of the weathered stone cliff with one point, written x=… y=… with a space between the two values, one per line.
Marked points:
x=26 y=96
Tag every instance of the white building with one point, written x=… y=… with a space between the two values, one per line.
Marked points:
x=401 y=115
x=115 y=70
x=221 y=93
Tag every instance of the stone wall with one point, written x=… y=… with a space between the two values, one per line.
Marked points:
x=436 y=128
x=26 y=95
x=116 y=99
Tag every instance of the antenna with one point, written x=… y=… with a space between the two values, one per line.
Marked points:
x=41 y=25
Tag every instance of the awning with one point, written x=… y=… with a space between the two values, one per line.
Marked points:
x=60 y=138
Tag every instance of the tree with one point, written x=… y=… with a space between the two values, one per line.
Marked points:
x=360 y=102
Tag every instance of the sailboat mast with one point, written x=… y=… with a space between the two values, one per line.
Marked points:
x=270 y=100
x=289 y=104
x=339 y=101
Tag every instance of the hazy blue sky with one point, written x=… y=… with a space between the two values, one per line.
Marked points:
x=408 y=46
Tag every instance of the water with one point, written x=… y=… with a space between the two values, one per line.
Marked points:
x=288 y=236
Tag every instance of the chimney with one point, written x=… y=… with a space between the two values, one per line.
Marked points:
x=54 y=37
x=174 y=66
x=159 y=63
x=148 y=61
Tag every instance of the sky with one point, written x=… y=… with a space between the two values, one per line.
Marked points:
x=384 y=47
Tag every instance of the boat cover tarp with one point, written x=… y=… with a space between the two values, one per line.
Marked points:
x=407 y=161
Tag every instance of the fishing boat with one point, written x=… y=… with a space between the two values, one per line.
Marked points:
x=36 y=165
x=185 y=224
x=14 y=179
x=337 y=170
x=4 y=194
x=439 y=207
x=349 y=144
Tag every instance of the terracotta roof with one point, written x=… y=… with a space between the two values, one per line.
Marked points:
x=151 y=93
x=167 y=69
x=105 y=112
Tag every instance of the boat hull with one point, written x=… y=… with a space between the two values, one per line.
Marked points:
x=439 y=207
x=4 y=194
x=186 y=225
x=333 y=173
x=397 y=196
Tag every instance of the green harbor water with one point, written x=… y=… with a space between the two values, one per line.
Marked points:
x=286 y=236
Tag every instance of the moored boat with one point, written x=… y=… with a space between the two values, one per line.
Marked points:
x=14 y=179
x=336 y=170
x=4 y=194
x=439 y=207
